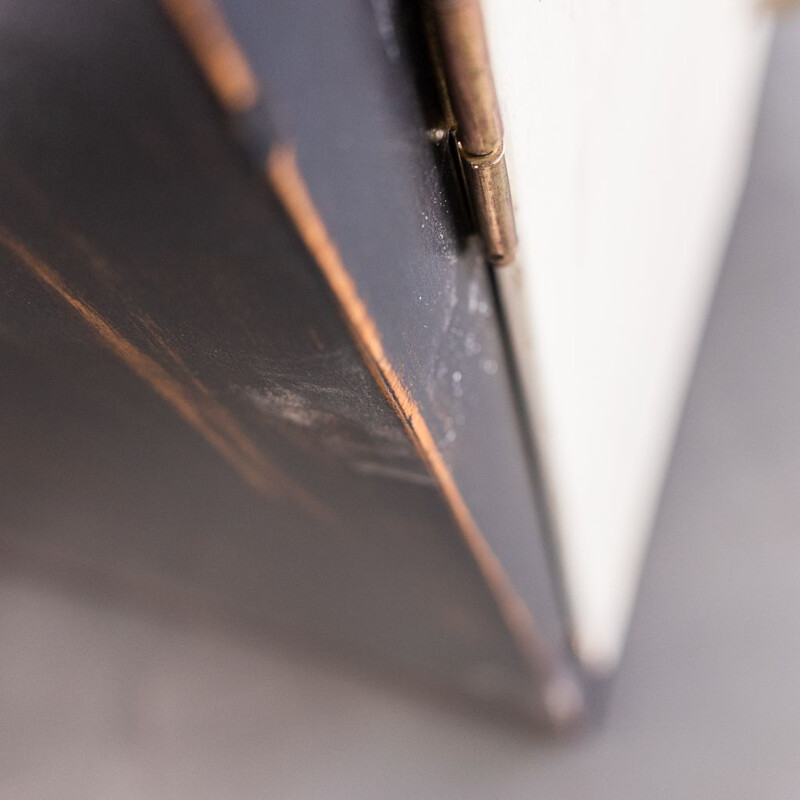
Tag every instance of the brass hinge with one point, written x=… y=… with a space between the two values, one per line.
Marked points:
x=464 y=58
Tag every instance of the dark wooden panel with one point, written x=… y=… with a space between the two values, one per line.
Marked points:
x=182 y=398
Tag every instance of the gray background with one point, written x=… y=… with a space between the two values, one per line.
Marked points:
x=100 y=702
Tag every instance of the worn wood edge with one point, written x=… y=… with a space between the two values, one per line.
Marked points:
x=288 y=184
x=202 y=27
x=285 y=179
x=178 y=387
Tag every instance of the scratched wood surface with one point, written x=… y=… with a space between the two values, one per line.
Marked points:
x=188 y=404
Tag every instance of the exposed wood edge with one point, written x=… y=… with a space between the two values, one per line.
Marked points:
x=202 y=27
x=178 y=387
x=287 y=182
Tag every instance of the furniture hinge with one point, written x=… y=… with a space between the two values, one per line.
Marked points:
x=463 y=55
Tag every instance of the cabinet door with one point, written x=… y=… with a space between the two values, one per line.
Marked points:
x=252 y=359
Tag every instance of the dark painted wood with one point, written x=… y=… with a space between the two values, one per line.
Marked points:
x=181 y=401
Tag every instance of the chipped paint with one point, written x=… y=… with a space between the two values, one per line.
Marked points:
x=179 y=388
x=287 y=182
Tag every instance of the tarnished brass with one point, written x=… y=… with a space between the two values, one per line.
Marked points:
x=487 y=180
x=464 y=58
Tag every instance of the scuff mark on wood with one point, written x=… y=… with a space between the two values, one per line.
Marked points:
x=182 y=391
x=288 y=184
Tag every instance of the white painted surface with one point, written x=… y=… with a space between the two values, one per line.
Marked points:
x=628 y=124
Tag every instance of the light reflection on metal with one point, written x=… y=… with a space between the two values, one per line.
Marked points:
x=464 y=59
